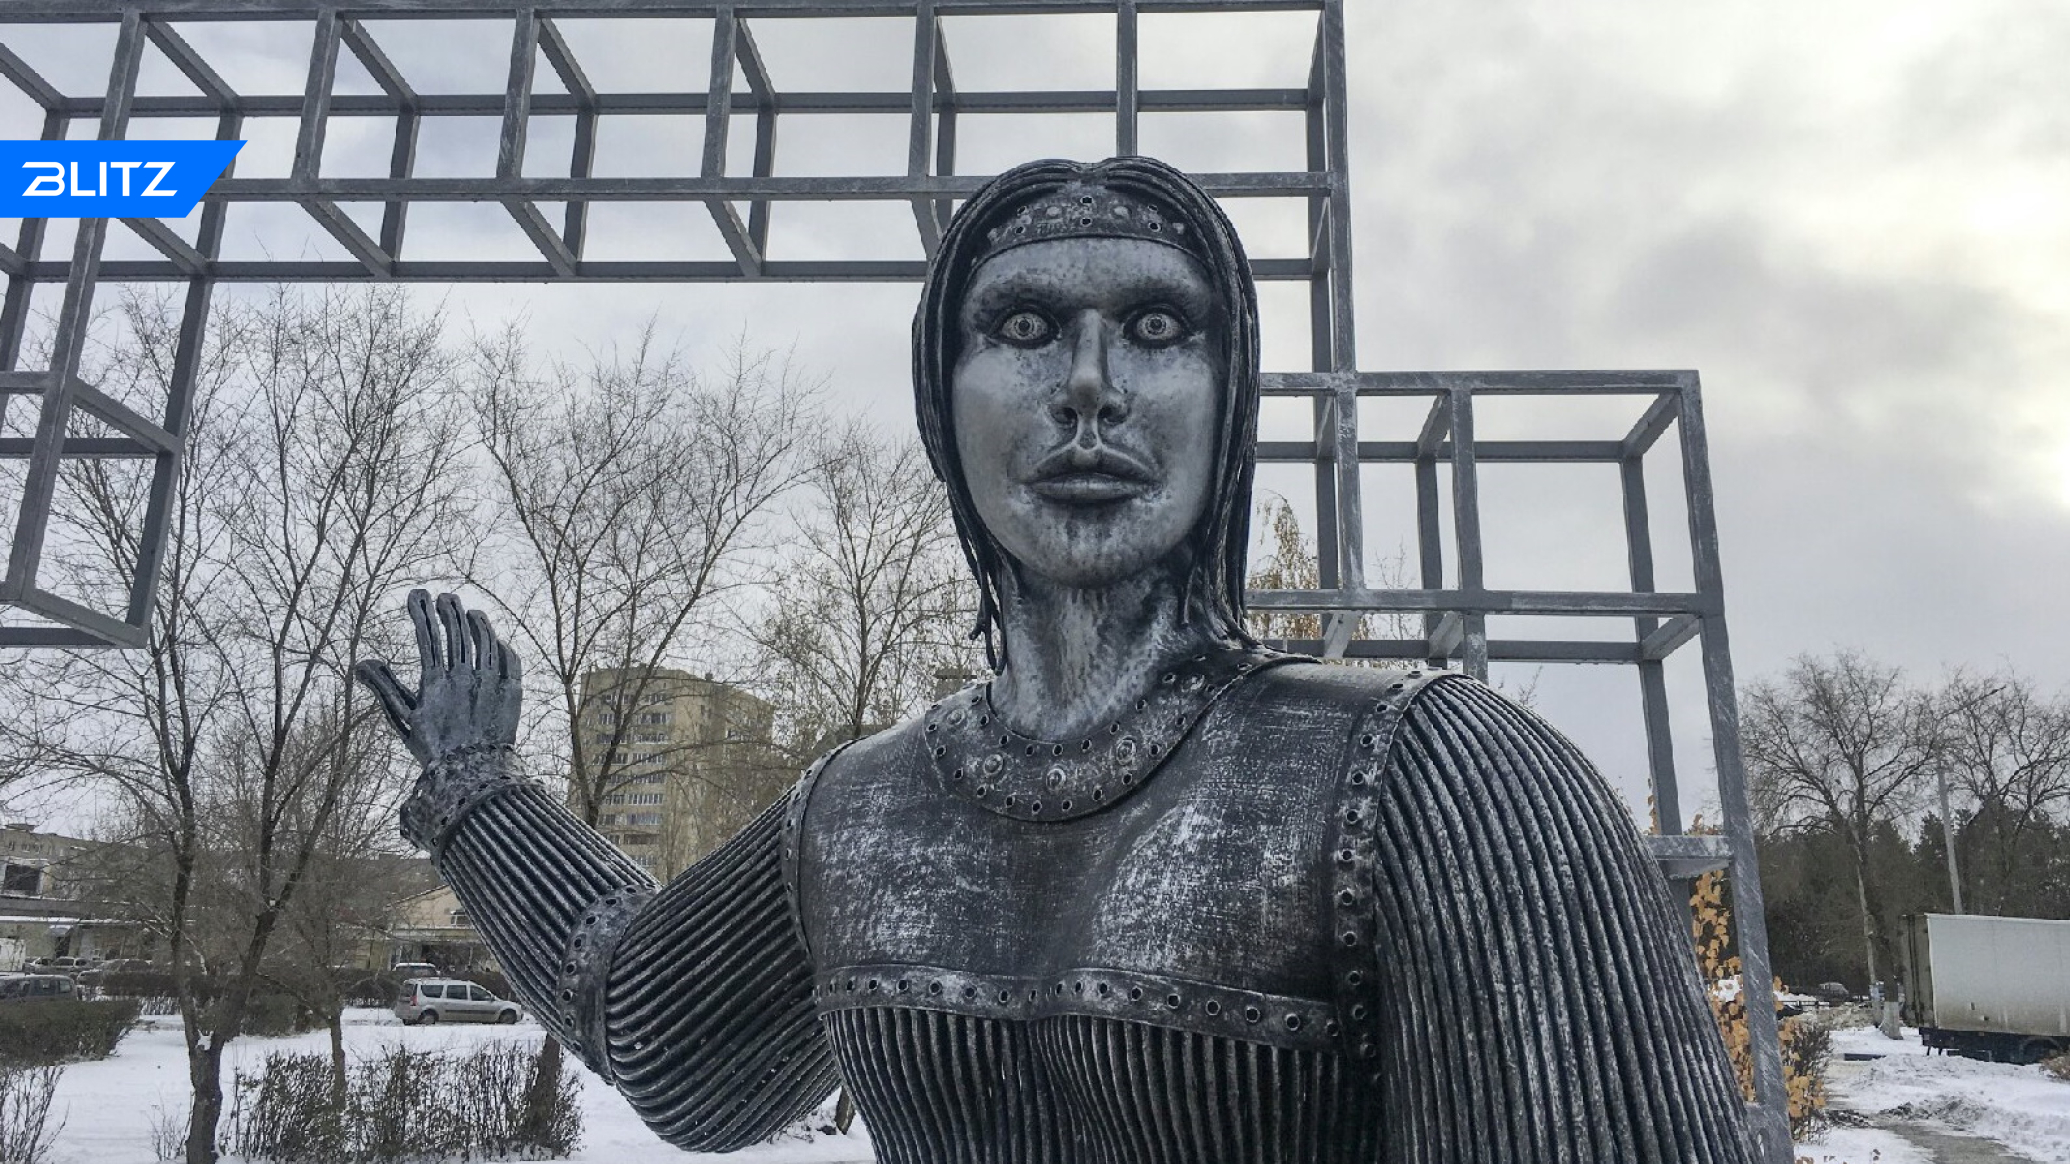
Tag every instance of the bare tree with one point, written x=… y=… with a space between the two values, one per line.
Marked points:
x=629 y=497
x=2007 y=750
x=1842 y=743
x=1292 y=565
x=355 y=880
x=873 y=607
x=319 y=477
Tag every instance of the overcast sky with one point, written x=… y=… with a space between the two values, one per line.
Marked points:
x=1852 y=218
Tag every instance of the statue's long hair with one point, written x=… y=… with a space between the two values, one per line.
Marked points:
x=1213 y=587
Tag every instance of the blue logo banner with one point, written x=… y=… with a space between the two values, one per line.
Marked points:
x=109 y=179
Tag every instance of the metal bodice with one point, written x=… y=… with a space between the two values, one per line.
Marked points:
x=1148 y=982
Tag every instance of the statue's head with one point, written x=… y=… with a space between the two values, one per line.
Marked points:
x=1085 y=366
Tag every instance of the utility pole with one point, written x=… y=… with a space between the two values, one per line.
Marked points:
x=1940 y=777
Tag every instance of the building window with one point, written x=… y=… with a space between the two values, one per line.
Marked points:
x=22 y=879
x=651 y=699
x=650 y=819
x=652 y=717
x=650 y=737
x=607 y=820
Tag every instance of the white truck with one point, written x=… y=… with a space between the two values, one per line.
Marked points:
x=1995 y=988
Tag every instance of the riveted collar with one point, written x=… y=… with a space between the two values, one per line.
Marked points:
x=978 y=757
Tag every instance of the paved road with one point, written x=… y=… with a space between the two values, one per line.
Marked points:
x=1945 y=1147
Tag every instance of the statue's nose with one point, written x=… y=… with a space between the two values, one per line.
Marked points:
x=1088 y=398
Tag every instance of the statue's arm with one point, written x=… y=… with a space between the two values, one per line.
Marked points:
x=1537 y=986
x=694 y=999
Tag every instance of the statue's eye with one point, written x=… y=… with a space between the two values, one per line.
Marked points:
x=1157 y=328
x=1025 y=329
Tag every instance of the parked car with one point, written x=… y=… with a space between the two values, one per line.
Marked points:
x=451 y=1000
x=33 y=987
x=409 y=970
x=63 y=964
x=94 y=976
x=1833 y=993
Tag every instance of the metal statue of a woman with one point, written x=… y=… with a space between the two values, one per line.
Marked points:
x=1151 y=894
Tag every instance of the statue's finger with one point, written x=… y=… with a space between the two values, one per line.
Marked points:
x=459 y=649
x=507 y=660
x=428 y=656
x=395 y=700
x=484 y=635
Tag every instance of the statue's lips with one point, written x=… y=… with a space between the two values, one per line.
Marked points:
x=1088 y=488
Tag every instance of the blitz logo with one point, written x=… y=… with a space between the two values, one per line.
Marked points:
x=53 y=185
x=109 y=179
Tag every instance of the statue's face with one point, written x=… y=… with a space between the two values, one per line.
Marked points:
x=1086 y=395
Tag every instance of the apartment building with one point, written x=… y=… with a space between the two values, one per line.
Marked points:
x=684 y=760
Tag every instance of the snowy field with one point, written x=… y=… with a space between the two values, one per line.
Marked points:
x=111 y=1107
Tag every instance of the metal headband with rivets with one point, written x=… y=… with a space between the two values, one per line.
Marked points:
x=1089 y=210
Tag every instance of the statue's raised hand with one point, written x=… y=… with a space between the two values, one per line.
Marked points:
x=467 y=692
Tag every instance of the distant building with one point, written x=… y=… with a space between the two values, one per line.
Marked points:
x=687 y=762
x=47 y=906
x=433 y=927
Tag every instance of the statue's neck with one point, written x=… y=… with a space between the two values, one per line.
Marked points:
x=1077 y=658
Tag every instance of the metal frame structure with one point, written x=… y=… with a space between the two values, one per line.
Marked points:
x=1454 y=619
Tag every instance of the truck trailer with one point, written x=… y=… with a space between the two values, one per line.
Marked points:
x=1995 y=988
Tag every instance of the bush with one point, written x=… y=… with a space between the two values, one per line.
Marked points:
x=1806 y=1045
x=2058 y=1067
x=276 y=1014
x=62 y=1030
x=26 y=1133
x=404 y=1105
x=147 y=984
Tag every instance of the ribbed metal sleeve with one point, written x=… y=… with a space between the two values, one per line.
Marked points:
x=1539 y=997
x=711 y=1029
x=527 y=870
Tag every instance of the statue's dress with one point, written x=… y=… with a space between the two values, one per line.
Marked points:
x=1338 y=915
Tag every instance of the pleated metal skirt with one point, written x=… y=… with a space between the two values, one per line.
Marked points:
x=943 y=1088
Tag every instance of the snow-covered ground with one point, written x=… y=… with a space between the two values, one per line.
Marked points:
x=2024 y=1109
x=112 y=1106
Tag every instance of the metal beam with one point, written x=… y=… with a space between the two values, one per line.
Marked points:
x=97 y=11
x=20 y=585
x=190 y=64
x=510 y=145
x=29 y=81
x=1482 y=602
x=1408 y=452
x=169 y=244
x=1516 y=383
x=927 y=32
x=682 y=103
x=525 y=271
x=718 y=116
